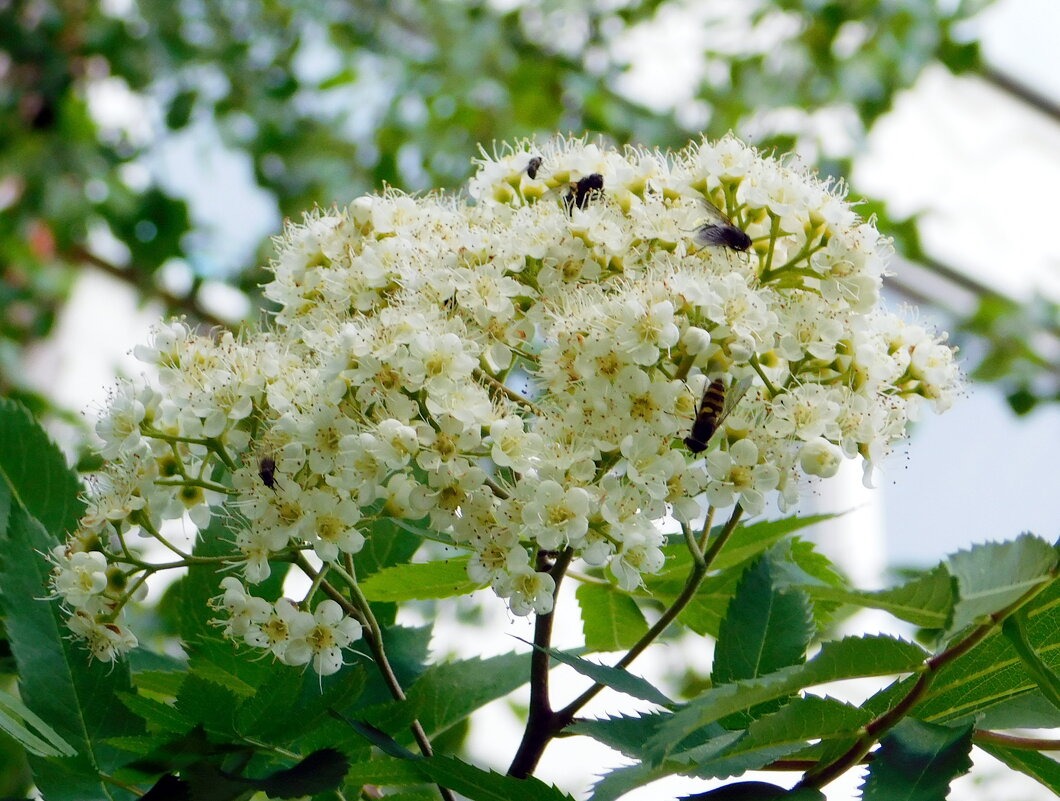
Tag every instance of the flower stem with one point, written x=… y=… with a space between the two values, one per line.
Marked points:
x=374 y=637
x=508 y=392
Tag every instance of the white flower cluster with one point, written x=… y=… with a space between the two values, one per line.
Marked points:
x=528 y=372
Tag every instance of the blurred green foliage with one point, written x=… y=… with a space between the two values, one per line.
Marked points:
x=328 y=100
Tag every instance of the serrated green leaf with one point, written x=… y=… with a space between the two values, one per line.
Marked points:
x=293 y=703
x=1038 y=766
x=706 y=610
x=618 y=782
x=35 y=471
x=486 y=785
x=408 y=651
x=163 y=716
x=764 y=629
x=413 y=795
x=616 y=678
x=994 y=575
x=992 y=674
x=924 y=601
x=208 y=704
x=386 y=772
x=1048 y=682
x=746 y=542
x=611 y=620
x=140 y=745
x=851 y=657
x=917 y=761
x=448 y=693
x=1026 y=711
x=420 y=581
x=802 y=719
x=73 y=694
x=17 y=720
x=474 y=783
x=387 y=544
x=756 y=791
x=159 y=683
x=626 y=735
x=318 y=772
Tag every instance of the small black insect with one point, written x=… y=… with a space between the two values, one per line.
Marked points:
x=583 y=190
x=533 y=166
x=720 y=231
x=267 y=471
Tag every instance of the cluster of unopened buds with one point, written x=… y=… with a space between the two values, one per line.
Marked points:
x=597 y=340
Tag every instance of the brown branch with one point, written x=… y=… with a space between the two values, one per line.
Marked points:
x=145 y=286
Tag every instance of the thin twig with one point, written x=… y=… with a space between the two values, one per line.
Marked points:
x=146 y=286
x=374 y=637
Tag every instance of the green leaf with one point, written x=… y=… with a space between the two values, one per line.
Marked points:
x=706 y=610
x=211 y=705
x=994 y=575
x=1048 y=682
x=764 y=629
x=925 y=601
x=17 y=720
x=1027 y=710
x=626 y=735
x=386 y=772
x=616 y=678
x=387 y=544
x=485 y=785
x=35 y=471
x=992 y=674
x=917 y=761
x=611 y=620
x=756 y=791
x=802 y=719
x=446 y=694
x=1038 y=766
x=420 y=581
x=319 y=772
x=161 y=716
x=745 y=543
x=474 y=783
x=74 y=695
x=851 y=657
x=293 y=703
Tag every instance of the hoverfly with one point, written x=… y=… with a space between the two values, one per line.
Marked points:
x=716 y=405
x=720 y=231
x=533 y=166
x=267 y=472
x=582 y=190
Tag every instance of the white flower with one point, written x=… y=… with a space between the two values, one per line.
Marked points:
x=555 y=516
x=520 y=373
x=320 y=637
x=527 y=590
x=819 y=457
x=737 y=472
x=245 y=611
x=332 y=524
x=78 y=577
x=639 y=555
x=106 y=641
